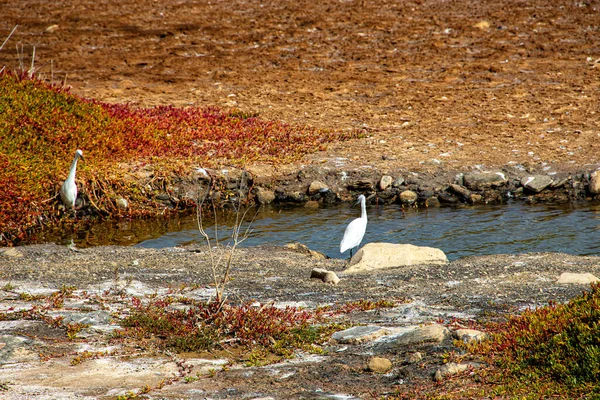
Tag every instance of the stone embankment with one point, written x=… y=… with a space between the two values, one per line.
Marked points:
x=385 y=349
x=313 y=185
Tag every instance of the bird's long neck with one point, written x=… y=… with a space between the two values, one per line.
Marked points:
x=363 y=210
x=73 y=169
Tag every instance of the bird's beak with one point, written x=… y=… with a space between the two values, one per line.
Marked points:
x=82 y=158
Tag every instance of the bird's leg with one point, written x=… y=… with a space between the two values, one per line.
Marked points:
x=350 y=254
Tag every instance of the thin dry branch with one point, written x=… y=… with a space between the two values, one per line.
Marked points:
x=237 y=237
x=8 y=37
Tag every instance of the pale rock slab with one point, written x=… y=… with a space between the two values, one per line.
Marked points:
x=360 y=334
x=377 y=256
x=11 y=252
x=484 y=180
x=433 y=333
x=536 y=183
x=569 y=277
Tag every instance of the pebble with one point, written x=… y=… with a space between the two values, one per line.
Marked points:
x=379 y=365
x=432 y=202
x=316 y=187
x=470 y=335
x=460 y=190
x=385 y=182
x=415 y=357
x=449 y=369
x=398 y=182
x=324 y=275
x=475 y=198
x=484 y=180
x=122 y=203
x=408 y=197
x=595 y=182
x=536 y=183
x=264 y=196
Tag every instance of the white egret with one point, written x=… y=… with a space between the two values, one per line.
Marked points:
x=68 y=190
x=356 y=229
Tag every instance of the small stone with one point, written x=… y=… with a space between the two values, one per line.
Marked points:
x=460 y=190
x=483 y=25
x=484 y=180
x=475 y=198
x=324 y=275
x=122 y=203
x=264 y=196
x=331 y=278
x=595 y=182
x=559 y=183
x=432 y=202
x=398 y=182
x=447 y=198
x=51 y=28
x=385 y=182
x=434 y=333
x=359 y=334
x=569 y=277
x=408 y=197
x=12 y=252
x=415 y=357
x=379 y=365
x=303 y=249
x=536 y=183
x=362 y=185
x=317 y=187
x=449 y=369
x=470 y=335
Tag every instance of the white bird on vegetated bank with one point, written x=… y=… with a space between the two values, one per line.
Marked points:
x=68 y=190
x=356 y=229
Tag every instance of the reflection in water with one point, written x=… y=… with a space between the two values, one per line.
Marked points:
x=513 y=228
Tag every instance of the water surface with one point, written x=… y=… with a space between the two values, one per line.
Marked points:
x=479 y=230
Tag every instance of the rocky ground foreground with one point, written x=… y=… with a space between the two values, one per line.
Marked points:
x=388 y=349
x=501 y=89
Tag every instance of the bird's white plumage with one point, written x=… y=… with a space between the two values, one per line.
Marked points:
x=68 y=190
x=356 y=229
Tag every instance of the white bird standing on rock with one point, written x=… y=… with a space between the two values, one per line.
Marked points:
x=68 y=190
x=356 y=229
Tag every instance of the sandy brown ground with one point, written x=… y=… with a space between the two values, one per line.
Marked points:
x=464 y=82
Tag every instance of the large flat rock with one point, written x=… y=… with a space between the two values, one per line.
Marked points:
x=376 y=256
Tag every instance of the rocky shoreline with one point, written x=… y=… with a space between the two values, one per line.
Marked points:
x=389 y=349
x=314 y=184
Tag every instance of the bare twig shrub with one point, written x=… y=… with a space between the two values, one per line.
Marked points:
x=221 y=255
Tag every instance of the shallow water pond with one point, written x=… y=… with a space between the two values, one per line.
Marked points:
x=479 y=230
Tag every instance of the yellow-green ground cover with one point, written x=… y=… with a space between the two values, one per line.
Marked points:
x=547 y=352
x=42 y=125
